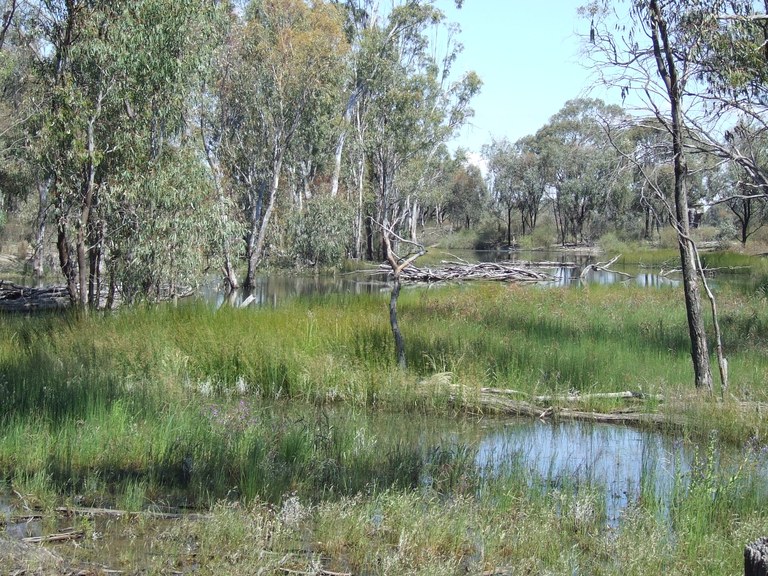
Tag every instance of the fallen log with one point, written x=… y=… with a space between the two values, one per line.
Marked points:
x=119 y=513
x=16 y=298
x=626 y=395
x=498 y=402
x=60 y=537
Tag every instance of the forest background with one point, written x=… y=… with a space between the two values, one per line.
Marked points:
x=145 y=144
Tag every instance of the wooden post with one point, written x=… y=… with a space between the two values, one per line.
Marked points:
x=756 y=558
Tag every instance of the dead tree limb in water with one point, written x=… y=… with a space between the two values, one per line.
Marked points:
x=603 y=267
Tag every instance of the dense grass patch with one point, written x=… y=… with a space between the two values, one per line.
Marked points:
x=195 y=406
x=516 y=524
x=339 y=349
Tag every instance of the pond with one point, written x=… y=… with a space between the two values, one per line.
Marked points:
x=620 y=464
x=564 y=269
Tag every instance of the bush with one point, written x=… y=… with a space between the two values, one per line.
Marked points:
x=542 y=237
x=320 y=232
x=611 y=244
x=668 y=237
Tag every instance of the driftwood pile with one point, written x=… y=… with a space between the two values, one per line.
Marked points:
x=15 y=298
x=455 y=271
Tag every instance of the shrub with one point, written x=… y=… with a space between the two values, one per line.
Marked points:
x=320 y=232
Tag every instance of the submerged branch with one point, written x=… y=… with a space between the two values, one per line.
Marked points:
x=603 y=267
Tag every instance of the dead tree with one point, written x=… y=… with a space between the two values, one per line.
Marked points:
x=398 y=264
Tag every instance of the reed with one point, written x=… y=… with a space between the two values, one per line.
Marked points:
x=508 y=526
x=129 y=397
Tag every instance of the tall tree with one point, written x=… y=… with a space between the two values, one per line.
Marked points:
x=518 y=175
x=118 y=80
x=288 y=59
x=654 y=56
x=467 y=199
x=585 y=171
x=413 y=108
x=18 y=175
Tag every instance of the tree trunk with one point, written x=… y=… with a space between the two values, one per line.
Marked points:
x=368 y=238
x=258 y=248
x=65 y=261
x=228 y=270
x=359 y=208
x=337 y=164
x=257 y=204
x=399 y=343
x=348 y=109
x=82 y=247
x=414 y=220
x=665 y=60
x=38 y=258
x=756 y=558
x=94 y=266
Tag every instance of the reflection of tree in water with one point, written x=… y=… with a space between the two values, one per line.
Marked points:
x=273 y=290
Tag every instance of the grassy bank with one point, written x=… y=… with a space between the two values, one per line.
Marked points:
x=166 y=364
x=196 y=406
x=515 y=525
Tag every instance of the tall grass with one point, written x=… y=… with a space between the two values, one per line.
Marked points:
x=510 y=526
x=241 y=410
x=128 y=398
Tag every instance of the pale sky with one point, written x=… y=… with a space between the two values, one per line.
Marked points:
x=527 y=54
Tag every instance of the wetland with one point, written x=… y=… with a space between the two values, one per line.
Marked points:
x=284 y=438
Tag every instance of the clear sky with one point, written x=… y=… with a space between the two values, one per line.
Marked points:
x=527 y=54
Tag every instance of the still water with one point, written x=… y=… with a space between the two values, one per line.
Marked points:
x=563 y=270
x=620 y=464
x=613 y=459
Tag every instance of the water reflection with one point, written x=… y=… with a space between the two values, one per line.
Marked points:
x=564 y=269
x=271 y=290
x=616 y=458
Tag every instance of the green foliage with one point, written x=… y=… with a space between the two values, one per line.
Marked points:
x=468 y=197
x=119 y=78
x=320 y=233
x=611 y=244
x=584 y=168
x=161 y=233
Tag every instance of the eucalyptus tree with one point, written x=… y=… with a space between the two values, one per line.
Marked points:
x=649 y=153
x=8 y=9
x=118 y=76
x=468 y=197
x=413 y=108
x=286 y=65
x=730 y=65
x=518 y=178
x=650 y=56
x=17 y=102
x=585 y=170
x=734 y=187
